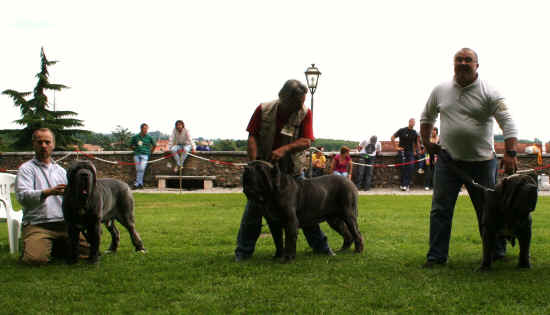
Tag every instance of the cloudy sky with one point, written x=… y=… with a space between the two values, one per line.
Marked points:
x=211 y=62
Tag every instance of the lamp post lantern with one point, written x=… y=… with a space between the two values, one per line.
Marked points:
x=312 y=78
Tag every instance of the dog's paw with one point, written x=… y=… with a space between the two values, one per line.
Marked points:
x=141 y=251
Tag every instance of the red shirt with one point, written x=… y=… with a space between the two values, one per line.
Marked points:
x=341 y=164
x=306 y=128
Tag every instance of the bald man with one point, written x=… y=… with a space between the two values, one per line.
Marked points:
x=467 y=107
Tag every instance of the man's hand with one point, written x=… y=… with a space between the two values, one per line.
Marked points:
x=510 y=164
x=57 y=190
x=279 y=153
x=398 y=148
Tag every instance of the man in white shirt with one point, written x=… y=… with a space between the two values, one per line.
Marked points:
x=39 y=187
x=468 y=107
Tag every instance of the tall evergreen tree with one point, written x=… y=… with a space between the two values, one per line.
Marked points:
x=35 y=113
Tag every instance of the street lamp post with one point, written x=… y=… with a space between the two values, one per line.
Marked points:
x=312 y=78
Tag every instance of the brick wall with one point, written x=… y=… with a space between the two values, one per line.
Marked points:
x=226 y=175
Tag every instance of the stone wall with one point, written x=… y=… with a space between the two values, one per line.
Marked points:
x=226 y=175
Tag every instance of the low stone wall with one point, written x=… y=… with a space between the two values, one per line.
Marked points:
x=226 y=175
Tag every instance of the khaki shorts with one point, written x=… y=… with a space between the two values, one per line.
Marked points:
x=42 y=242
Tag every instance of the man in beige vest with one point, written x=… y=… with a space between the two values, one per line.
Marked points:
x=279 y=131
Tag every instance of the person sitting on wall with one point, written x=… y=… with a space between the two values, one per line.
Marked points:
x=319 y=162
x=341 y=163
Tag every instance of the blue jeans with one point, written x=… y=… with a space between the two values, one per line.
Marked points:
x=406 y=170
x=141 y=164
x=364 y=176
x=251 y=227
x=345 y=174
x=180 y=153
x=446 y=189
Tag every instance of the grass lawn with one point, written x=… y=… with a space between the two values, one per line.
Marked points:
x=189 y=267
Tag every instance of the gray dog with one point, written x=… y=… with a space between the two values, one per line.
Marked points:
x=303 y=203
x=507 y=214
x=88 y=202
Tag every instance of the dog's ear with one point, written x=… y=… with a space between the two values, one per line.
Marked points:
x=92 y=168
x=519 y=195
x=70 y=171
x=527 y=195
x=509 y=190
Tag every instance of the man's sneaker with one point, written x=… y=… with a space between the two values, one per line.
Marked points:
x=426 y=188
x=327 y=252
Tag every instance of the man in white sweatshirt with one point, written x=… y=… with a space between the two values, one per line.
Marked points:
x=180 y=144
x=468 y=107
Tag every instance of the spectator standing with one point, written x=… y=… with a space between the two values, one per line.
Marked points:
x=143 y=146
x=368 y=151
x=430 y=161
x=341 y=164
x=319 y=162
x=181 y=144
x=409 y=143
x=279 y=131
x=468 y=107
x=39 y=187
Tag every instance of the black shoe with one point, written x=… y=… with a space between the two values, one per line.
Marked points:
x=135 y=187
x=432 y=263
x=140 y=187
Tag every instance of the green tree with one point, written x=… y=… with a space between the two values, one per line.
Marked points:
x=121 y=137
x=35 y=113
x=224 y=145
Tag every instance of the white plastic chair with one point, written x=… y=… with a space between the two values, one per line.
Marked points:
x=13 y=218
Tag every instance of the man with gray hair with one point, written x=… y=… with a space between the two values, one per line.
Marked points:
x=39 y=186
x=467 y=106
x=279 y=131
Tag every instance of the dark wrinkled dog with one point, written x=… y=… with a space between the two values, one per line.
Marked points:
x=88 y=202
x=507 y=214
x=303 y=203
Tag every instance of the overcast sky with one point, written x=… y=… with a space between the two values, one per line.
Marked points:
x=210 y=63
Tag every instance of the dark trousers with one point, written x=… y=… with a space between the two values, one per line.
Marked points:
x=251 y=227
x=429 y=175
x=406 y=170
x=364 y=176
x=446 y=189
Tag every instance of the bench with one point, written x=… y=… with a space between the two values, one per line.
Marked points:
x=207 y=181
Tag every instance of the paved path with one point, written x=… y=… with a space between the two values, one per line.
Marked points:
x=220 y=190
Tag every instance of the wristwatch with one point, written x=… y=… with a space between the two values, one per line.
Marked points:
x=511 y=153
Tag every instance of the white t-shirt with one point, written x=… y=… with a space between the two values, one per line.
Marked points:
x=467 y=115
x=363 y=145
